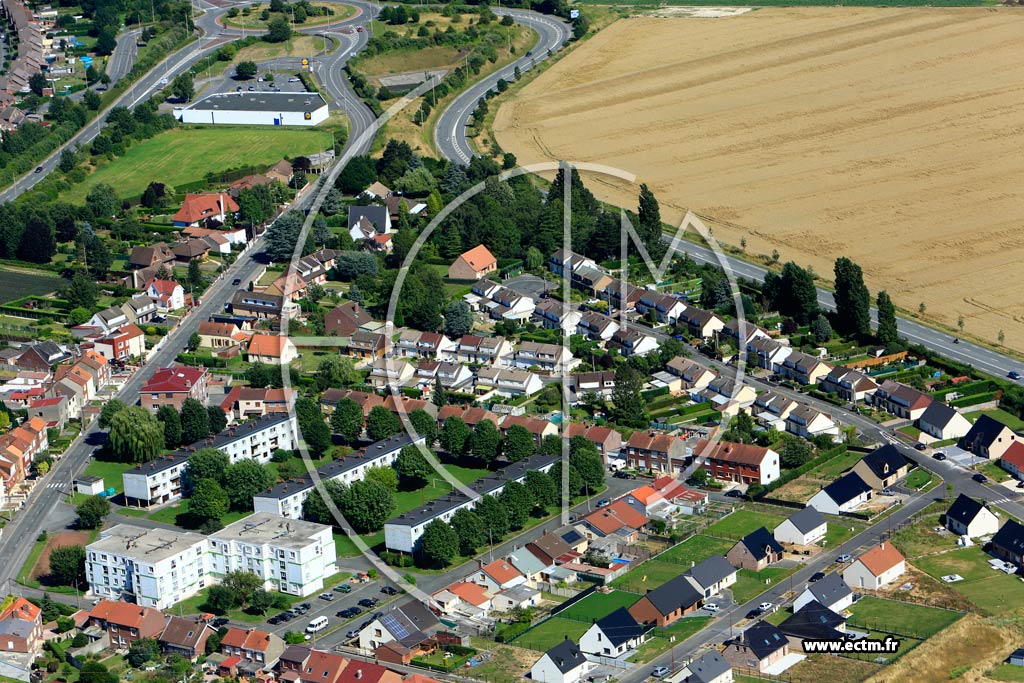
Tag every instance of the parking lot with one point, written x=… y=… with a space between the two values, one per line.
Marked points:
x=284 y=71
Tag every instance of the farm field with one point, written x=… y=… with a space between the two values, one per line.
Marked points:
x=867 y=167
x=15 y=284
x=187 y=154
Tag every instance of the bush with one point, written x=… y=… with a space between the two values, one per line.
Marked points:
x=397 y=559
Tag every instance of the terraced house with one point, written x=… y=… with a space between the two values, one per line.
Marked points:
x=655 y=451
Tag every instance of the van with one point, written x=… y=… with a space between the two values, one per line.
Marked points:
x=318 y=624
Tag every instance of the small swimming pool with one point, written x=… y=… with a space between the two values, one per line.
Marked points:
x=555 y=418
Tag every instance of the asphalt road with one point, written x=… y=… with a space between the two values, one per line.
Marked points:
x=123 y=57
x=450 y=133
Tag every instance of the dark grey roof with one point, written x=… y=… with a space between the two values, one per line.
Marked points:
x=814 y=621
x=846 y=488
x=830 y=589
x=566 y=656
x=764 y=639
x=378 y=215
x=164 y=462
x=884 y=461
x=938 y=413
x=572 y=537
x=435 y=508
x=983 y=433
x=807 y=519
x=707 y=668
x=261 y=101
x=711 y=571
x=761 y=543
x=237 y=432
x=620 y=627
x=677 y=593
x=964 y=509
x=1010 y=537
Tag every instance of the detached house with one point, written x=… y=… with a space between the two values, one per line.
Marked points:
x=125 y=623
x=619 y=519
x=166 y=294
x=941 y=422
x=755 y=551
x=366 y=222
x=185 y=637
x=712 y=576
x=655 y=451
x=600 y=382
x=831 y=591
x=1008 y=543
x=614 y=635
x=171 y=386
x=345 y=319
x=708 y=668
x=474 y=264
x=804 y=368
x=814 y=622
x=806 y=527
x=271 y=349
x=253 y=645
x=153 y=256
x=759 y=647
x=845 y=494
x=876 y=568
x=564 y=663
x=988 y=438
x=666 y=604
x=848 y=384
x=882 y=467
x=368 y=346
x=202 y=210
x=737 y=462
x=968 y=517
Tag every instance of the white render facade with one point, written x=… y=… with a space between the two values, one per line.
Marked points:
x=156 y=482
x=291 y=556
x=271 y=432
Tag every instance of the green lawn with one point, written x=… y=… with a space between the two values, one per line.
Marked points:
x=671 y=563
x=742 y=522
x=993 y=471
x=836 y=466
x=551 y=632
x=991 y=592
x=1007 y=672
x=110 y=472
x=918 y=479
x=750 y=584
x=661 y=638
x=1008 y=419
x=900 y=617
x=599 y=605
x=185 y=155
x=840 y=529
x=970 y=563
x=179 y=515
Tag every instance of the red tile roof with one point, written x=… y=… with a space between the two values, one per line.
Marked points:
x=612 y=518
x=200 y=206
x=479 y=258
x=881 y=558
x=267 y=345
x=1015 y=455
x=501 y=571
x=177 y=378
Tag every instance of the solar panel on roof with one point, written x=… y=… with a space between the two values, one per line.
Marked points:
x=393 y=626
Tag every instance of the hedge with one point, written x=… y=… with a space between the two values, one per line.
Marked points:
x=653 y=393
x=974 y=400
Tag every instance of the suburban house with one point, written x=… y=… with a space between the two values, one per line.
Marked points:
x=125 y=623
x=564 y=262
x=474 y=264
x=252 y=645
x=614 y=636
x=814 y=622
x=549 y=548
x=464 y=598
x=666 y=308
x=695 y=377
x=632 y=341
x=168 y=295
x=564 y=663
x=768 y=354
x=203 y=209
x=556 y=315
x=377 y=190
x=171 y=386
x=538 y=428
x=832 y=592
x=989 y=438
x=106 y=320
x=848 y=384
x=845 y=494
x=901 y=400
x=607 y=440
x=744 y=332
x=271 y=349
x=759 y=647
x=243 y=403
x=601 y=382
x=497 y=576
x=708 y=668
x=701 y=323
x=366 y=222
x=941 y=422
x=1013 y=460
x=551 y=357
x=477 y=350
x=808 y=422
x=260 y=305
x=345 y=319
x=18 y=449
x=876 y=568
x=755 y=551
x=368 y=346
x=185 y=637
x=666 y=604
x=882 y=467
x=128 y=341
x=410 y=623
x=712 y=575
x=619 y=519
x=655 y=451
x=804 y=368
x=385 y=373
x=597 y=326
x=806 y=527
x=590 y=280
x=471 y=415
x=140 y=309
x=737 y=462
x=21 y=627
x=968 y=517
x=499 y=303
x=687 y=500
x=428 y=345
x=644 y=499
x=219 y=336
x=191 y=250
x=1008 y=543
x=153 y=256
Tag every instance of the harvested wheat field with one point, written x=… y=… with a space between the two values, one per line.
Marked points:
x=892 y=136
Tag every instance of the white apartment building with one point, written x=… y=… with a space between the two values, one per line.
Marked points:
x=151 y=567
x=155 y=482
x=291 y=556
x=256 y=439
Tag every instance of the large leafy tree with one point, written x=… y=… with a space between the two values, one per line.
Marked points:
x=316 y=510
x=135 y=435
x=794 y=452
x=792 y=293
x=109 y=410
x=853 y=301
x=486 y=441
x=91 y=512
x=649 y=223
x=629 y=409
x=543 y=489
x=518 y=503
x=82 y=291
x=218 y=419
x=195 y=421
x=207 y=463
x=209 y=501
x=336 y=371
x=458 y=319
x=469 y=529
x=454 y=436
x=412 y=466
x=382 y=423
x=439 y=544
x=367 y=505
x=172 y=425
x=519 y=443
x=586 y=460
x=424 y=424
x=347 y=420
x=314 y=430
x=245 y=479
x=494 y=516
x=386 y=476
x=67 y=565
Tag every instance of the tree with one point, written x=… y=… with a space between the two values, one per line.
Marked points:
x=314 y=430
x=357 y=175
x=382 y=423
x=103 y=201
x=316 y=510
x=386 y=476
x=141 y=651
x=792 y=293
x=454 y=436
x=109 y=410
x=96 y=672
x=888 y=332
x=629 y=408
x=543 y=489
x=518 y=503
x=91 y=512
x=412 y=466
x=853 y=301
x=242 y=584
x=649 y=219
x=82 y=292
x=183 y=88
x=367 y=505
x=135 y=435
x=424 y=424
x=37 y=83
x=245 y=479
x=586 y=459
x=336 y=371
x=259 y=375
x=67 y=565
x=519 y=443
x=38 y=243
x=494 y=516
x=278 y=30
x=209 y=501
x=458 y=319
x=821 y=329
x=486 y=441
x=794 y=452
x=261 y=601
x=195 y=277
x=439 y=544
x=576 y=484
x=470 y=531
x=440 y=395
x=220 y=599
x=194 y=340
x=171 y=420
x=347 y=420
x=195 y=421
x=246 y=70
x=218 y=419
x=207 y=463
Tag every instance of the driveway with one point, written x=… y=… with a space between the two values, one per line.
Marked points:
x=529 y=285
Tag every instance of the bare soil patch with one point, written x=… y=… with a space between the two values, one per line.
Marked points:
x=881 y=134
x=42 y=567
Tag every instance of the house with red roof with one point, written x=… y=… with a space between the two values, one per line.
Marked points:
x=219 y=336
x=271 y=349
x=1013 y=459
x=252 y=645
x=689 y=501
x=365 y=672
x=655 y=451
x=876 y=568
x=322 y=667
x=644 y=499
x=125 y=622
x=204 y=210
x=168 y=295
x=618 y=519
x=607 y=440
x=538 y=428
x=474 y=264
x=242 y=403
x=739 y=462
x=53 y=411
x=21 y=627
x=18 y=448
x=127 y=341
x=171 y=386
x=497 y=575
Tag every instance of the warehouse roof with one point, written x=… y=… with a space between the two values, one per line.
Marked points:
x=261 y=101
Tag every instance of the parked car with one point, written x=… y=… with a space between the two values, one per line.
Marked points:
x=980 y=478
x=389 y=590
x=317 y=624
x=353 y=633
x=660 y=671
x=604 y=501
x=326 y=596
x=237 y=281
x=219 y=621
x=919 y=446
x=765 y=607
x=939 y=456
x=844 y=558
x=711 y=607
x=293 y=80
x=624 y=475
x=734 y=493
x=888 y=492
x=347 y=613
x=368 y=602
x=344 y=588
x=359 y=28
x=816 y=576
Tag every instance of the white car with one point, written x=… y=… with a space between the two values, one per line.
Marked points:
x=765 y=606
x=712 y=607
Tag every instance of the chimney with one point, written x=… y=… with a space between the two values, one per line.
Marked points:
x=359 y=673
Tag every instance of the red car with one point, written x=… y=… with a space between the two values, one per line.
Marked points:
x=359 y=28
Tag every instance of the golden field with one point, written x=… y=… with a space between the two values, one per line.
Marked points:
x=892 y=136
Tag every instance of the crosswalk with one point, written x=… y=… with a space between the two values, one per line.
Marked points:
x=55 y=485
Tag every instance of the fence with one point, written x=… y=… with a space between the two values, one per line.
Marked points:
x=573 y=600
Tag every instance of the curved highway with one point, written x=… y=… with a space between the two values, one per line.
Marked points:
x=450 y=132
